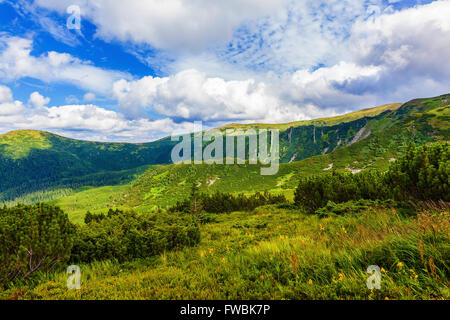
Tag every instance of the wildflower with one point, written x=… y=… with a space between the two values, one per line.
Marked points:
x=383 y=270
x=321 y=227
x=343 y=230
x=387 y=298
x=413 y=274
x=261 y=277
x=341 y=276
x=400 y=265
x=310 y=281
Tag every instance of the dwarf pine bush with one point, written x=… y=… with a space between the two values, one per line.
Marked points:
x=33 y=238
x=127 y=235
x=315 y=192
x=420 y=174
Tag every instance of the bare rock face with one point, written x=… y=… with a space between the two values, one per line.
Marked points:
x=362 y=134
x=314 y=134
x=290 y=134
x=293 y=158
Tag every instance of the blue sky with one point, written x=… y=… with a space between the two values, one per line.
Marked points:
x=145 y=69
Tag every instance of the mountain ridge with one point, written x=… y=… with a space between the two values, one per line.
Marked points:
x=363 y=112
x=32 y=160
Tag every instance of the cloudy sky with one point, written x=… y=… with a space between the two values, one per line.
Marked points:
x=141 y=69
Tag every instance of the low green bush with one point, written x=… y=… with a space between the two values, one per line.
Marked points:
x=32 y=239
x=353 y=207
x=315 y=192
x=224 y=202
x=124 y=236
x=421 y=174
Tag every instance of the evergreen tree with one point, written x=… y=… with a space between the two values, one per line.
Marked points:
x=196 y=205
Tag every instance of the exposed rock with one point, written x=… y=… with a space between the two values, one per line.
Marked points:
x=353 y=170
x=362 y=134
x=293 y=158
x=212 y=181
x=290 y=134
x=330 y=166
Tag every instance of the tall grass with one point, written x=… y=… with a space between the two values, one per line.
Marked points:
x=279 y=253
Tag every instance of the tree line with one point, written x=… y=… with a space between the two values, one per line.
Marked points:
x=224 y=202
x=421 y=174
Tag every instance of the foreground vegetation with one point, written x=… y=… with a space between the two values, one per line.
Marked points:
x=40 y=238
x=279 y=253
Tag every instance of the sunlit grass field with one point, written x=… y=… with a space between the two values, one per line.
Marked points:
x=95 y=200
x=279 y=253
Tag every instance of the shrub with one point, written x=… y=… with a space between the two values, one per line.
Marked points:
x=89 y=217
x=225 y=202
x=33 y=238
x=315 y=192
x=126 y=235
x=422 y=173
x=353 y=207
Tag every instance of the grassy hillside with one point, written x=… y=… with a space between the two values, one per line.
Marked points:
x=417 y=122
x=33 y=161
x=38 y=162
x=40 y=166
x=348 y=117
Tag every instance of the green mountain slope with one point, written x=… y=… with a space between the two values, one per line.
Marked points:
x=32 y=161
x=368 y=142
x=35 y=160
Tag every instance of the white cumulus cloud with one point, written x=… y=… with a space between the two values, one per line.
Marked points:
x=191 y=95
x=81 y=121
x=8 y=107
x=16 y=61
x=37 y=100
